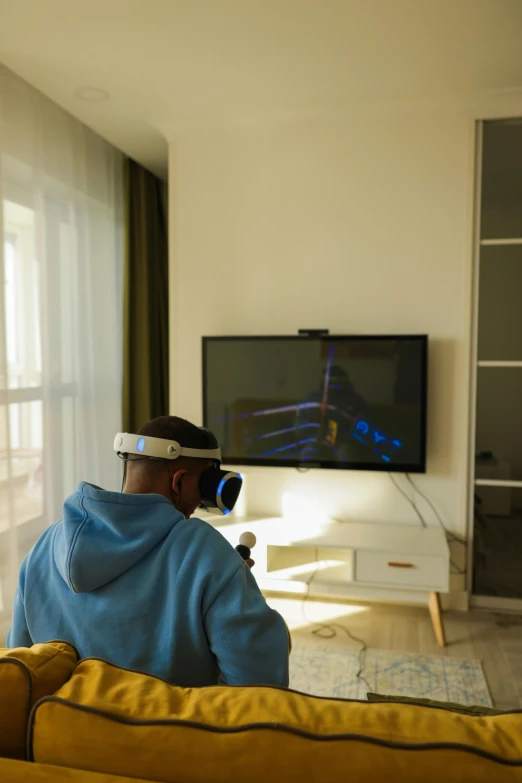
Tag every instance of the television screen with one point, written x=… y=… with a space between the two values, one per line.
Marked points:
x=332 y=402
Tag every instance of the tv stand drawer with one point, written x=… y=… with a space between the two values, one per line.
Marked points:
x=406 y=570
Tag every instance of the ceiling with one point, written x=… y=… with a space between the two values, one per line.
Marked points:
x=167 y=64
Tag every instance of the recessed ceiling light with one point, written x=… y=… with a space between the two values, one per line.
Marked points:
x=92 y=94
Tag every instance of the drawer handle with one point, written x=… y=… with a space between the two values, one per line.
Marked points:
x=393 y=564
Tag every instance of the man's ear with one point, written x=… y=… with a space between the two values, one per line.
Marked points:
x=177 y=480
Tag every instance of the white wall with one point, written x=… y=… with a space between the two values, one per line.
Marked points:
x=361 y=225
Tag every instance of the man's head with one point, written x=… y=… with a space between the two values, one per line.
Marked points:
x=177 y=480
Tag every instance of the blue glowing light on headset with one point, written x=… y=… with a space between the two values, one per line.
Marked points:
x=220 y=487
x=140 y=445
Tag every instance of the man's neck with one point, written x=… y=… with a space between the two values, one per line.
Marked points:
x=137 y=488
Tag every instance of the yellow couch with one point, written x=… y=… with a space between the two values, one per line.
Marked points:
x=12 y=771
x=25 y=676
x=108 y=721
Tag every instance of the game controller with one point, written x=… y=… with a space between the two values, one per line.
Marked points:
x=247 y=542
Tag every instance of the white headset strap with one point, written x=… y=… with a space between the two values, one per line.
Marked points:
x=160 y=448
x=208 y=453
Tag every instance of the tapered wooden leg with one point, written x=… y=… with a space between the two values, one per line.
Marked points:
x=436 y=618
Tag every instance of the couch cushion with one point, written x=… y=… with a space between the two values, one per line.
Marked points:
x=465 y=709
x=23 y=772
x=127 y=723
x=27 y=674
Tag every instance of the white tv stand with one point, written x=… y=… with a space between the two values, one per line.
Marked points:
x=390 y=562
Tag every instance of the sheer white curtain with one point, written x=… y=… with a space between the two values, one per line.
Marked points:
x=61 y=266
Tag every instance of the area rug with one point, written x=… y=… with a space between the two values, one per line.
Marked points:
x=330 y=670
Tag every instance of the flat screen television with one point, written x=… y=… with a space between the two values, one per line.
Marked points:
x=343 y=402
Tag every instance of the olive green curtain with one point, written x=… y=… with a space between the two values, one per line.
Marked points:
x=145 y=314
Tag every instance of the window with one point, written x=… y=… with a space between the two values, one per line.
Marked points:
x=61 y=260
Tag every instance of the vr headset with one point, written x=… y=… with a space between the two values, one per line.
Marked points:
x=219 y=488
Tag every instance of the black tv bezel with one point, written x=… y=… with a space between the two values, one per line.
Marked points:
x=418 y=467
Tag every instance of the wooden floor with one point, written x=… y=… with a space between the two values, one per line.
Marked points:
x=495 y=639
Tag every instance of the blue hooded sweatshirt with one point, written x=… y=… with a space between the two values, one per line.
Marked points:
x=128 y=579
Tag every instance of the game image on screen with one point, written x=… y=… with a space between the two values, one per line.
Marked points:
x=333 y=402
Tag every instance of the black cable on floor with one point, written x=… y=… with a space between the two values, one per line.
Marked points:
x=328 y=630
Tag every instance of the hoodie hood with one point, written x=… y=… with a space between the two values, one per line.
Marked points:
x=103 y=534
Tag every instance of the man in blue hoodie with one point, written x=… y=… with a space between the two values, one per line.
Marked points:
x=131 y=578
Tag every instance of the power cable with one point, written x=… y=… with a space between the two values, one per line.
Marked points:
x=328 y=630
x=451 y=537
x=410 y=501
